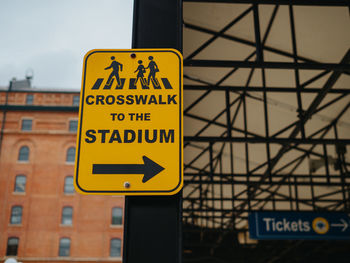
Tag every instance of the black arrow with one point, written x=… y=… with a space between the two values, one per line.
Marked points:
x=149 y=169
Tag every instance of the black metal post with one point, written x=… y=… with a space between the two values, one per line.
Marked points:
x=152 y=230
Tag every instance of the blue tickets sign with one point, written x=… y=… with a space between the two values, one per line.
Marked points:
x=299 y=225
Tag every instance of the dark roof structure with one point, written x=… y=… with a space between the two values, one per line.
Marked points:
x=266 y=123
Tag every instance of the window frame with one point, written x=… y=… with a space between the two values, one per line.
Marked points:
x=21 y=154
x=76 y=100
x=22 y=124
x=61 y=247
x=64 y=216
x=66 y=185
x=111 y=247
x=8 y=250
x=115 y=218
x=70 y=126
x=31 y=101
x=13 y=215
x=69 y=154
x=25 y=184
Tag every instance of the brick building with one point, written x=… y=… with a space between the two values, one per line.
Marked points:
x=42 y=218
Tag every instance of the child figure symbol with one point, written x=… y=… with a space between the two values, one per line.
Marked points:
x=141 y=70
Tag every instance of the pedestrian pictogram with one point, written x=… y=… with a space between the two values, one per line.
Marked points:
x=115 y=73
x=137 y=79
x=153 y=69
x=130 y=129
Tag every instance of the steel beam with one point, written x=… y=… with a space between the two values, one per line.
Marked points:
x=266 y=65
x=284 y=141
x=278 y=2
x=261 y=89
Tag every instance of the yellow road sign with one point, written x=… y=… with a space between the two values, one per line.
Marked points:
x=130 y=123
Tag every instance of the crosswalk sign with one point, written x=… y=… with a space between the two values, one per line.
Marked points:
x=130 y=123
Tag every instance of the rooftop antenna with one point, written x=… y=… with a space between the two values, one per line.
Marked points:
x=29 y=74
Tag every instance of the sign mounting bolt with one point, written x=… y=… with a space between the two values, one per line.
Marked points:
x=126 y=185
x=133 y=55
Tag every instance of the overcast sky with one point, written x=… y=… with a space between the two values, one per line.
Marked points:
x=50 y=37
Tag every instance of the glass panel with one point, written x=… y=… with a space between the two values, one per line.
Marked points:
x=71 y=155
x=12 y=246
x=73 y=126
x=20 y=185
x=23 y=154
x=64 y=250
x=76 y=100
x=115 y=247
x=16 y=215
x=26 y=125
x=67 y=213
x=117 y=216
x=29 y=99
x=68 y=185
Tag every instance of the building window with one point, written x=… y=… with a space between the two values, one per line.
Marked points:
x=73 y=125
x=12 y=246
x=23 y=154
x=20 y=183
x=64 y=249
x=70 y=155
x=29 y=99
x=26 y=125
x=68 y=185
x=67 y=215
x=76 y=100
x=117 y=216
x=115 y=249
x=16 y=215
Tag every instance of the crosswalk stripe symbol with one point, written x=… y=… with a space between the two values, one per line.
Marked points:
x=97 y=84
x=166 y=83
x=132 y=84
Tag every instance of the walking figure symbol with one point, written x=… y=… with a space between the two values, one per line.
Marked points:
x=115 y=73
x=141 y=70
x=153 y=69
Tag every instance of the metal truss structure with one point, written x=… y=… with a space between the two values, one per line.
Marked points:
x=267 y=125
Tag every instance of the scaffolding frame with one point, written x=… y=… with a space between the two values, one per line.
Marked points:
x=210 y=174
